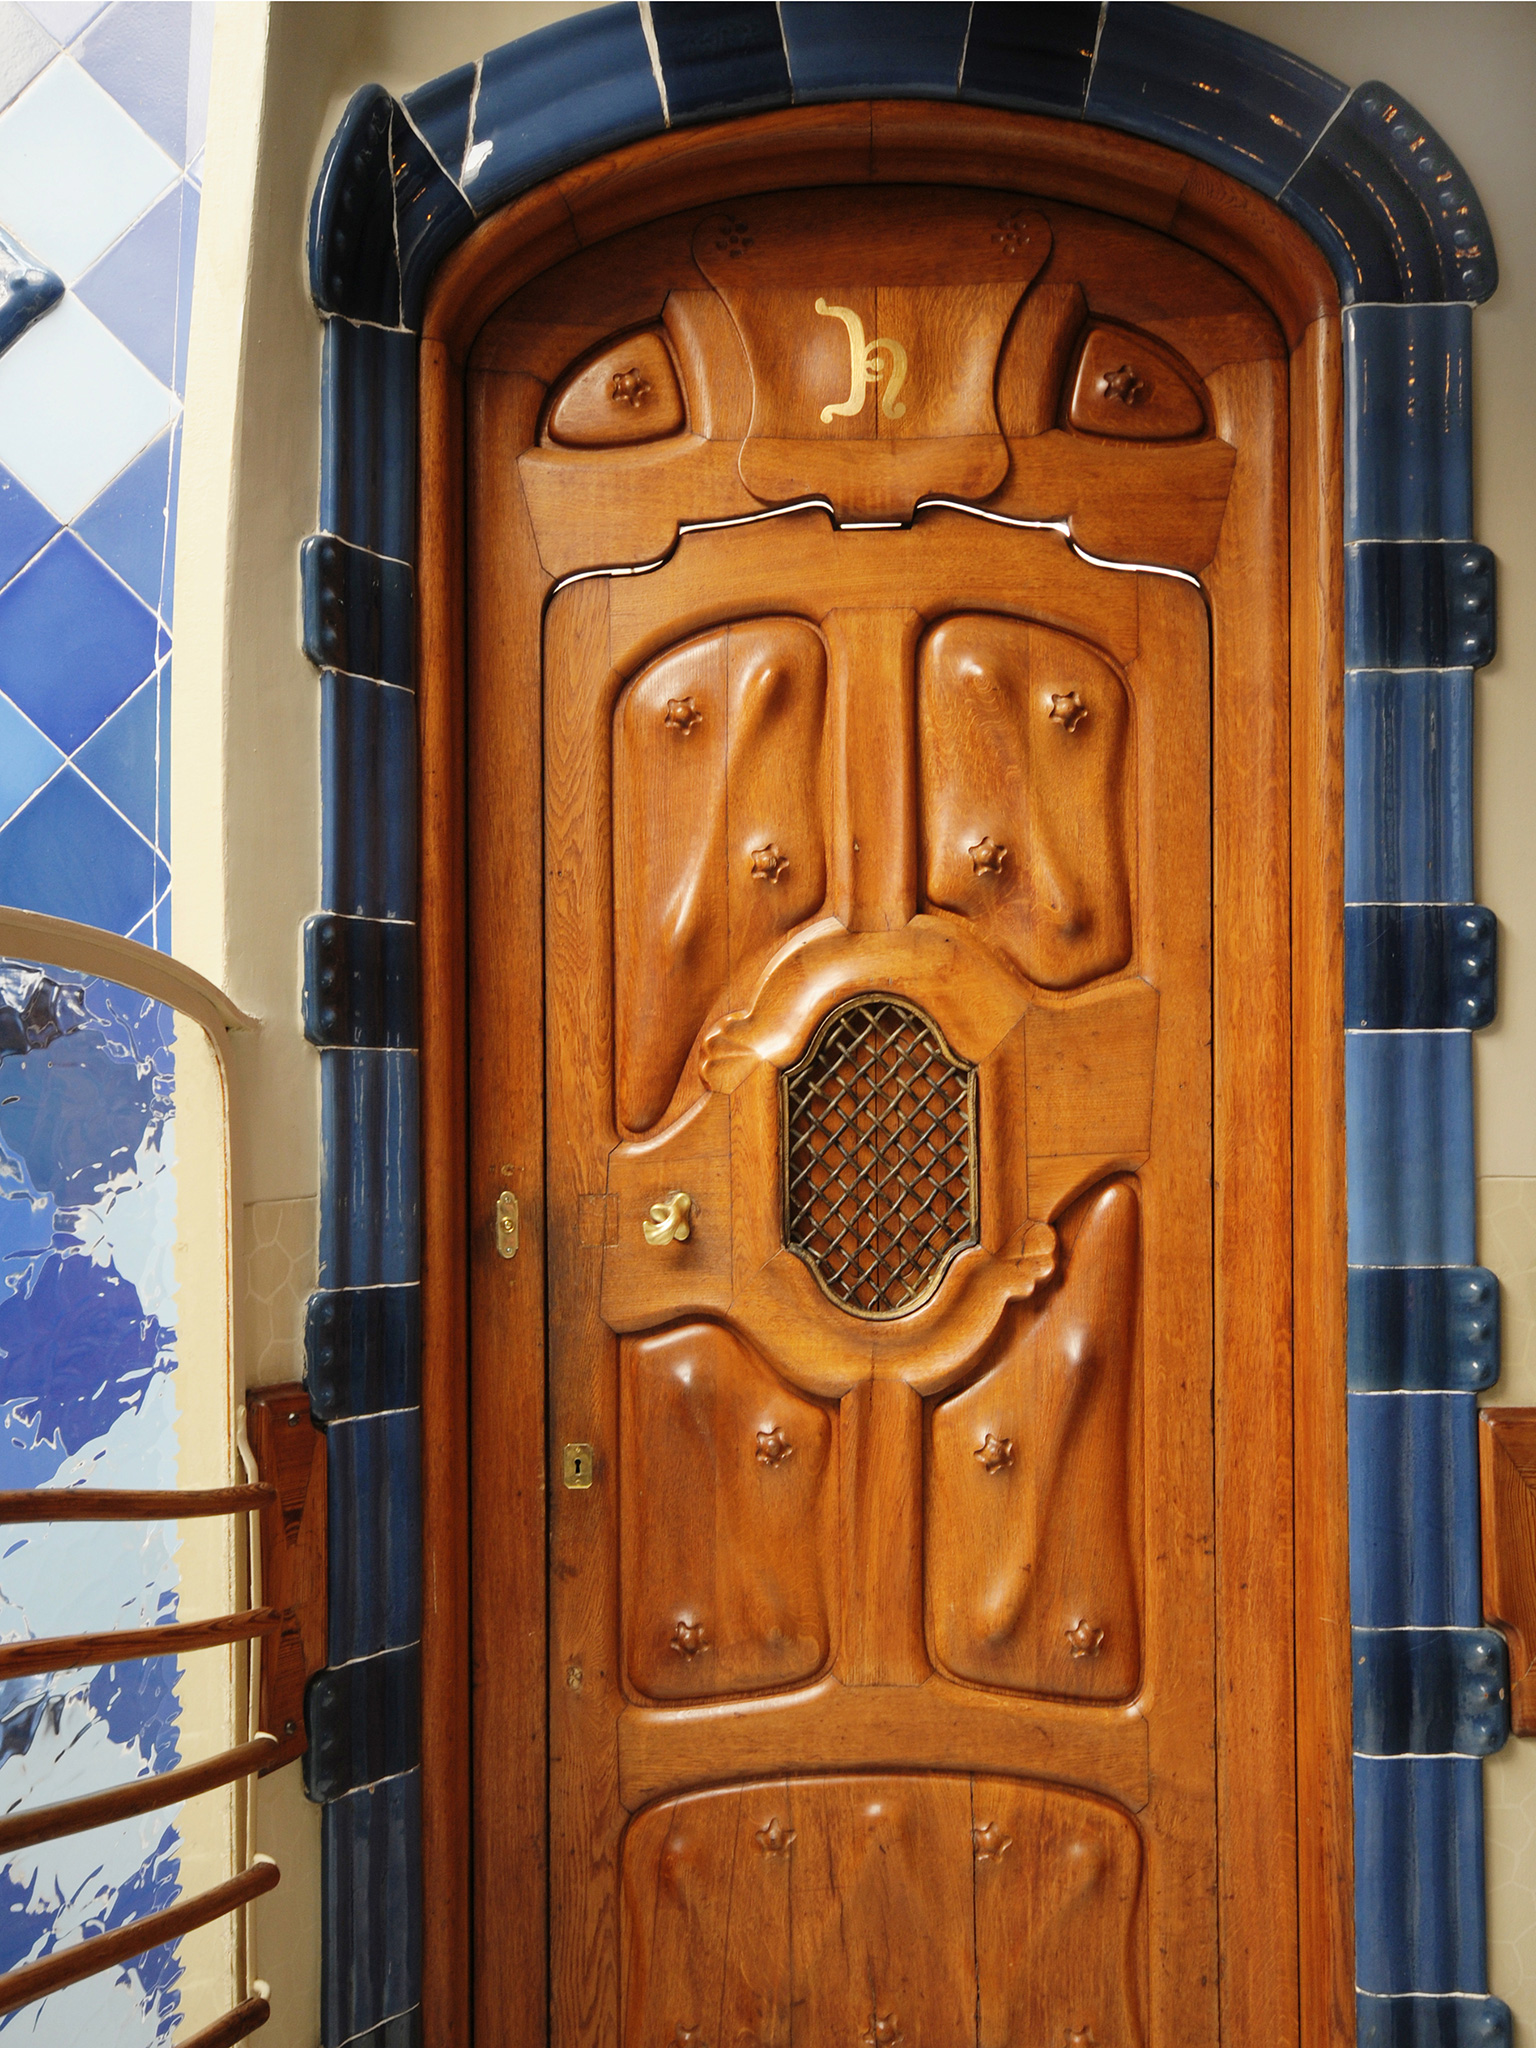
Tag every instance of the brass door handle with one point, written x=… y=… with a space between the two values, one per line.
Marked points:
x=669 y=1221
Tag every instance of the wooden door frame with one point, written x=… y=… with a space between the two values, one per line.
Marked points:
x=1276 y=1628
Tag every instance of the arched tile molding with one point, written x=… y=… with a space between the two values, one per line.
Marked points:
x=1398 y=219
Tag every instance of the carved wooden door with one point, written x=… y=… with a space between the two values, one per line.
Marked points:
x=876 y=1216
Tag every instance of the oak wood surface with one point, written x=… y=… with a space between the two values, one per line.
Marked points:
x=1506 y=1441
x=1083 y=168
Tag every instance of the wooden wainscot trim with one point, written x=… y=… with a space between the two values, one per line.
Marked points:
x=1506 y=1446
x=290 y=1456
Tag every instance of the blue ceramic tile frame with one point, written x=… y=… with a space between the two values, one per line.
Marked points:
x=1396 y=215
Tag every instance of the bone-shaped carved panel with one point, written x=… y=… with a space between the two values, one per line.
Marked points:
x=719 y=843
x=1025 y=740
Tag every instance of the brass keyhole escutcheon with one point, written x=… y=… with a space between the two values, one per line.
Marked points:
x=671 y=1221
x=578 y=1464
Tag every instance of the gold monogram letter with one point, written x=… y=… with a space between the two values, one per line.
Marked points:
x=866 y=368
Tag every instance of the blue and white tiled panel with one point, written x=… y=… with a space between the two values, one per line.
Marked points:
x=88 y=1229
x=102 y=115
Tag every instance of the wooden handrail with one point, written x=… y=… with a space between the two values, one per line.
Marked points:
x=234 y=2026
x=144 y=1795
x=104 y=1951
x=118 y=1504
x=119 y=1646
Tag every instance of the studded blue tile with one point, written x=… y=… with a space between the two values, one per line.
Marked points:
x=122 y=758
x=1420 y=966
x=1418 y=2022
x=368 y=813
x=132 y=290
x=431 y=215
x=439 y=110
x=69 y=854
x=1037 y=58
x=74 y=642
x=363 y=1722
x=1419 y=1860
x=1202 y=86
x=25 y=526
x=353 y=267
x=1413 y=1512
x=369 y=1200
x=126 y=525
x=27 y=759
x=1408 y=769
x=1408 y=1140
x=362 y=1350
x=140 y=55
x=368 y=421
x=360 y=981
x=557 y=96
x=720 y=57
x=358 y=610
x=1407 y=423
x=844 y=49
x=373 y=1473
x=1423 y=1328
x=1418 y=604
x=1392 y=208
x=1430 y=1691
x=370 y=1958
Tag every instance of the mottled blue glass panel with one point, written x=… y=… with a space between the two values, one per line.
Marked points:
x=88 y=1357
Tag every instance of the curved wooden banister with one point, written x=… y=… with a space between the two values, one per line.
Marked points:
x=120 y=1504
x=118 y=1646
x=234 y=2026
x=144 y=1795
x=104 y=1951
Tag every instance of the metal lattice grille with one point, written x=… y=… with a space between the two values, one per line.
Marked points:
x=879 y=1136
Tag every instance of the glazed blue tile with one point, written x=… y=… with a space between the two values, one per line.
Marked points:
x=440 y=111
x=122 y=758
x=556 y=97
x=132 y=290
x=1423 y=1328
x=358 y=610
x=352 y=263
x=359 y=981
x=1407 y=423
x=168 y=568
x=25 y=526
x=126 y=524
x=191 y=213
x=1419 y=1860
x=720 y=57
x=1199 y=85
x=363 y=1723
x=1392 y=208
x=1413 y=1512
x=1038 y=58
x=163 y=809
x=373 y=1520
x=368 y=422
x=140 y=54
x=27 y=759
x=1408 y=770
x=74 y=642
x=1420 y=966
x=370 y=1227
x=1430 y=1691
x=28 y=290
x=1408 y=1141
x=839 y=50
x=431 y=215
x=370 y=1955
x=64 y=19
x=368 y=812
x=1418 y=604
x=70 y=855
x=362 y=1350
x=1410 y=2022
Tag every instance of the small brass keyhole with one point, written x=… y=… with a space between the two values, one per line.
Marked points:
x=577 y=1465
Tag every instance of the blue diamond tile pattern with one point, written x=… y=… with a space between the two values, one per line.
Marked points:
x=102 y=120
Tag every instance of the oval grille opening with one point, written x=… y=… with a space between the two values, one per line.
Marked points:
x=879 y=1138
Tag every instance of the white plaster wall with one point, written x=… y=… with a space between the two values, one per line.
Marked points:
x=246 y=730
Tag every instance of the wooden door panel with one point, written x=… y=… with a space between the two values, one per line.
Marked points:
x=896 y=1911
x=1028 y=794
x=728 y=1519
x=1031 y=1488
